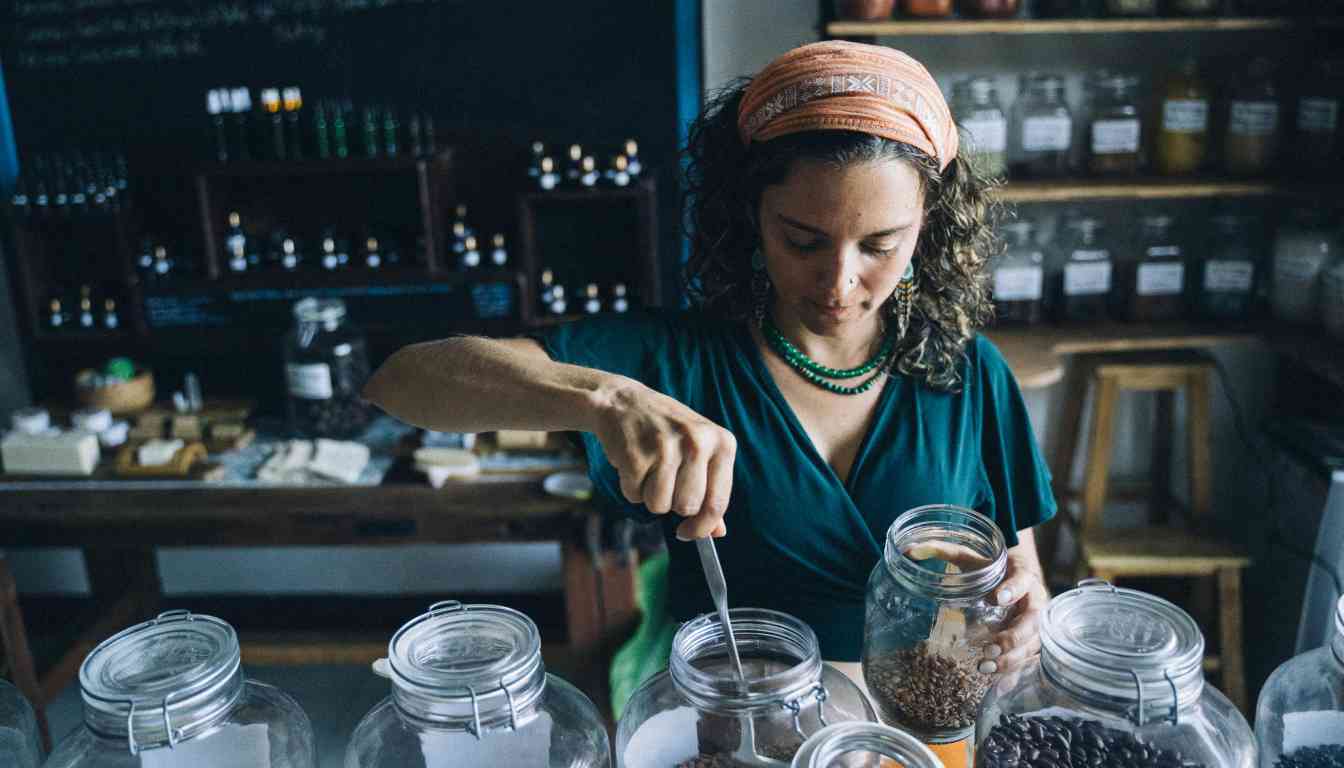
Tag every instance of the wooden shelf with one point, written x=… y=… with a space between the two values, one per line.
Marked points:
x=909 y=28
x=317 y=167
x=1151 y=189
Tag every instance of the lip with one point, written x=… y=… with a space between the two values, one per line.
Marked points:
x=831 y=310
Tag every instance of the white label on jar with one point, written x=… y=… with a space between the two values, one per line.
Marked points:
x=1046 y=134
x=233 y=746
x=1317 y=115
x=529 y=745
x=1115 y=137
x=311 y=381
x=1312 y=729
x=987 y=135
x=1018 y=283
x=1160 y=279
x=1298 y=267
x=1087 y=279
x=1185 y=115
x=1253 y=118
x=1228 y=276
x=667 y=738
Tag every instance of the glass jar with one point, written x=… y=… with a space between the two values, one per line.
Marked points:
x=1299 y=719
x=1183 y=136
x=1318 y=106
x=1063 y=9
x=1131 y=7
x=1158 y=282
x=469 y=689
x=326 y=365
x=1041 y=132
x=18 y=730
x=855 y=10
x=1119 y=681
x=1019 y=277
x=171 y=693
x=927 y=8
x=1251 y=143
x=1227 y=269
x=1302 y=249
x=1332 y=299
x=984 y=126
x=697 y=713
x=1195 y=7
x=929 y=616
x=863 y=744
x=990 y=9
x=1114 y=127
x=1083 y=284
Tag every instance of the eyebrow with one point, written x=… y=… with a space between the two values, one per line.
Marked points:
x=808 y=228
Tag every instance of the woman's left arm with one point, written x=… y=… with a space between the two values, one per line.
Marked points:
x=1023 y=588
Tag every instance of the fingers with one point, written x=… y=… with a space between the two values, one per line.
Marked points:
x=692 y=479
x=1019 y=640
x=658 y=487
x=1017 y=586
x=965 y=558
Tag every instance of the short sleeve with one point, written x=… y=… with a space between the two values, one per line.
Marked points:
x=1018 y=477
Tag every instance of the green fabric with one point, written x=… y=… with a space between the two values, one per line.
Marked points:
x=799 y=540
x=645 y=654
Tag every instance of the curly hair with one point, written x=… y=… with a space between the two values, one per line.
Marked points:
x=724 y=182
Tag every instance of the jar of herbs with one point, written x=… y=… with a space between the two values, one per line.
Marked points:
x=1041 y=131
x=1083 y=285
x=1302 y=249
x=1332 y=298
x=1318 y=106
x=1158 y=282
x=1019 y=277
x=1183 y=135
x=1195 y=7
x=927 y=8
x=1131 y=7
x=1114 y=126
x=326 y=365
x=990 y=9
x=1251 y=143
x=984 y=126
x=1227 y=269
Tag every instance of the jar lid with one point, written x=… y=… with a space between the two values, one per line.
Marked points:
x=162 y=681
x=313 y=310
x=471 y=666
x=826 y=747
x=1123 y=649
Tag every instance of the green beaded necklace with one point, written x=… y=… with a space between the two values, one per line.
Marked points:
x=820 y=374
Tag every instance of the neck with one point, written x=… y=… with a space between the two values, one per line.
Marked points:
x=846 y=348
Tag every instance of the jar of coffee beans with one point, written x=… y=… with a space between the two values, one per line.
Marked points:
x=1119 y=682
x=699 y=714
x=326 y=365
x=930 y=618
x=1299 y=720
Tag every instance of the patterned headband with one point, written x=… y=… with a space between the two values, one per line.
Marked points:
x=837 y=85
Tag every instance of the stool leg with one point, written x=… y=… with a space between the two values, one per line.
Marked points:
x=1201 y=456
x=1067 y=428
x=1099 y=455
x=1229 y=629
x=1164 y=426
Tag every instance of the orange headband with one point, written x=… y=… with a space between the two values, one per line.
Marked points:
x=837 y=85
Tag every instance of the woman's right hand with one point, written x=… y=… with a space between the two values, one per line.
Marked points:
x=669 y=458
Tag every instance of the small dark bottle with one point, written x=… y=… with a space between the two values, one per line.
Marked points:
x=370 y=131
x=215 y=101
x=1083 y=285
x=270 y=101
x=1158 y=283
x=292 y=100
x=321 y=131
x=390 y=131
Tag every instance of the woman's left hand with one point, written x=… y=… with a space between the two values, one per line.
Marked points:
x=1023 y=588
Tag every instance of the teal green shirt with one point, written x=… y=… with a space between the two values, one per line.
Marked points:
x=800 y=540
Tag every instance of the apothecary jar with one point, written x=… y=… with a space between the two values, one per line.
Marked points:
x=1299 y=720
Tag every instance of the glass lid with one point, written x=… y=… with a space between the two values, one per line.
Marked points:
x=857 y=744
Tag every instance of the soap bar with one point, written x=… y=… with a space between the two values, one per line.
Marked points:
x=339 y=460
x=520 y=439
x=157 y=452
x=65 y=453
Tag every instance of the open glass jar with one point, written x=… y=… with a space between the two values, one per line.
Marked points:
x=18 y=730
x=1299 y=720
x=929 y=617
x=469 y=690
x=326 y=365
x=171 y=693
x=697 y=714
x=1119 y=681
x=858 y=744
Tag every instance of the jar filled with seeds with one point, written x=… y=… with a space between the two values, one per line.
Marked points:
x=326 y=365
x=1299 y=720
x=929 y=617
x=1119 y=681
x=699 y=714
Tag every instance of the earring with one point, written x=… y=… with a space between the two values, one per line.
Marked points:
x=760 y=287
x=903 y=300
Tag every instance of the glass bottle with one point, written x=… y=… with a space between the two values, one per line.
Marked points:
x=990 y=9
x=1059 y=9
x=326 y=365
x=1227 y=271
x=927 y=8
x=697 y=713
x=929 y=616
x=620 y=302
x=292 y=100
x=499 y=255
x=1251 y=143
x=1019 y=277
x=1115 y=127
x=1299 y=718
x=1318 y=106
x=1131 y=7
x=470 y=690
x=171 y=693
x=1302 y=248
x=235 y=244
x=1332 y=303
x=1158 y=282
x=1195 y=7
x=1041 y=132
x=1083 y=284
x=1183 y=136
x=984 y=126
x=18 y=730
x=633 y=165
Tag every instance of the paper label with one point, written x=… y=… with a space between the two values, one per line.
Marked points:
x=1185 y=115
x=1317 y=115
x=1018 y=283
x=1299 y=267
x=529 y=745
x=667 y=738
x=1160 y=279
x=1228 y=276
x=1046 y=134
x=1312 y=729
x=1115 y=137
x=987 y=135
x=1253 y=118
x=233 y=746
x=311 y=381
x=1087 y=279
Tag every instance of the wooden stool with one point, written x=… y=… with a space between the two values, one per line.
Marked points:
x=1192 y=550
x=18 y=657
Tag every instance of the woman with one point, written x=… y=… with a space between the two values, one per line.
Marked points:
x=829 y=375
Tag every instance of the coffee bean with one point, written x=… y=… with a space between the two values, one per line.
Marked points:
x=1059 y=743
x=927 y=691
x=1328 y=756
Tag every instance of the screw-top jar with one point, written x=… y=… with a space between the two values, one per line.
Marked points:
x=984 y=126
x=1183 y=134
x=1115 y=128
x=929 y=617
x=1299 y=719
x=469 y=689
x=1041 y=131
x=326 y=365
x=1227 y=269
x=1251 y=143
x=859 y=743
x=18 y=730
x=1302 y=249
x=1119 y=681
x=171 y=692
x=698 y=711
x=1158 y=279
x=1131 y=7
x=1317 y=145
x=1019 y=277
x=1084 y=281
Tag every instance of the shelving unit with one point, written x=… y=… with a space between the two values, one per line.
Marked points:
x=940 y=27
x=1072 y=190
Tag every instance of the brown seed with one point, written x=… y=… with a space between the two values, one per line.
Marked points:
x=927 y=691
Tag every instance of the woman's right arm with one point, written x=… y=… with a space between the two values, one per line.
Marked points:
x=669 y=457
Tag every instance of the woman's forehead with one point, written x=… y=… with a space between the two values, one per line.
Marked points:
x=876 y=195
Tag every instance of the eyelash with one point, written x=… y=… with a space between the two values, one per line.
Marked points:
x=815 y=244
